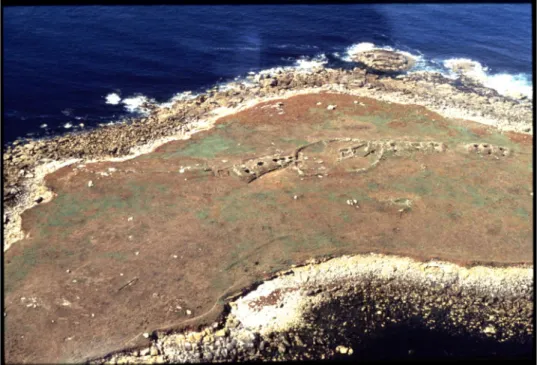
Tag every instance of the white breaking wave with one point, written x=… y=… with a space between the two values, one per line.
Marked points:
x=134 y=104
x=308 y=65
x=44 y=125
x=467 y=67
x=357 y=48
x=506 y=84
x=113 y=99
x=511 y=85
x=67 y=125
x=179 y=96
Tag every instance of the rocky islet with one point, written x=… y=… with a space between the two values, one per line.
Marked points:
x=26 y=162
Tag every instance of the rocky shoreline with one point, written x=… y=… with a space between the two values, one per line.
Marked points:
x=26 y=163
x=329 y=309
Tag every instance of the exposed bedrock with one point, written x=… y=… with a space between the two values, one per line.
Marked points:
x=356 y=306
x=384 y=61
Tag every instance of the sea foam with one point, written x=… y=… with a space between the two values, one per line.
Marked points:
x=134 y=104
x=308 y=64
x=113 y=99
x=506 y=84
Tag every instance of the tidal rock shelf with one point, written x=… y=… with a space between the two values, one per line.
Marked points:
x=333 y=308
x=385 y=61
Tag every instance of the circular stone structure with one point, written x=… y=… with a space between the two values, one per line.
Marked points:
x=384 y=61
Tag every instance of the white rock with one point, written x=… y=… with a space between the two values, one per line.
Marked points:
x=146 y=335
x=344 y=350
x=188 y=312
x=130 y=219
x=90 y=184
x=145 y=352
x=319 y=103
x=295 y=197
x=331 y=107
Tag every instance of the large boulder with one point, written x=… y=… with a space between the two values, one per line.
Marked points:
x=384 y=61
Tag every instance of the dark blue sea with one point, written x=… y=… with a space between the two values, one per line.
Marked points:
x=70 y=65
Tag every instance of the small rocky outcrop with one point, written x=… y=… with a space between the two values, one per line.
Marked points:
x=385 y=61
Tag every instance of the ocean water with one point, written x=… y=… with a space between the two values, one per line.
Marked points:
x=77 y=67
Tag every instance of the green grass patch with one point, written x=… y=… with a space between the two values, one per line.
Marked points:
x=210 y=147
x=324 y=239
x=264 y=195
x=239 y=254
x=345 y=216
x=69 y=211
x=521 y=212
x=475 y=194
x=317 y=148
x=379 y=120
x=373 y=186
x=161 y=188
x=294 y=142
x=202 y=214
x=239 y=205
x=20 y=266
x=464 y=134
x=119 y=256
